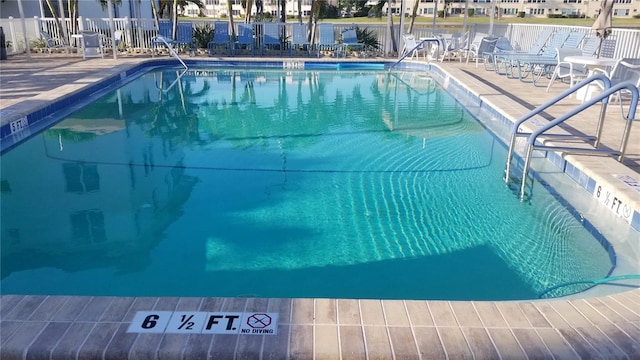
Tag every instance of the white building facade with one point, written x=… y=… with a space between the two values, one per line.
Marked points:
x=218 y=8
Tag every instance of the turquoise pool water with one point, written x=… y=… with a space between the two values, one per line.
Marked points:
x=340 y=184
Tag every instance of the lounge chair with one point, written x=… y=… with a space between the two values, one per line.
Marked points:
x=492 y=58
x=502 y=55
x=163 y=38
x=91 y=45
x=350 y=41
x=245 y=38
x=271 y=37
x=574 y=72
x=184 y=37
x=52 y=44
x=299 y=38
x=326 y=38
x=510 y=60
x=220 y=37
x=541 y=65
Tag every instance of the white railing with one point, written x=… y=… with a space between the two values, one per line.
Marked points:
x=137 y=33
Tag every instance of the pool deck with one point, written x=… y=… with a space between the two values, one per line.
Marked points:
x=63 y=327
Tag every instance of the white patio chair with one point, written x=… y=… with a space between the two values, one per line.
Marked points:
x=626 y=70
x=92 y=45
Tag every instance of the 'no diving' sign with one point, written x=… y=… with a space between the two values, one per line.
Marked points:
x=182 y=322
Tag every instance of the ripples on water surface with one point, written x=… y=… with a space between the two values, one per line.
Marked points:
x=273 y=184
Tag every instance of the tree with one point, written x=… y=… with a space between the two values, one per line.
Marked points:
x=231 y=26
x=445 y=8
x=379 y=7
x=414 y=13
x=63 y=36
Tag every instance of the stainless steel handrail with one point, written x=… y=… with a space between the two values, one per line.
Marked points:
x=172 y=51
x=516 y=126
x=602 y=97
x=531 y=141
x=418 y=46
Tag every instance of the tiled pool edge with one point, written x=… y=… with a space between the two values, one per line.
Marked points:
x=95 y=327
x=61 y=327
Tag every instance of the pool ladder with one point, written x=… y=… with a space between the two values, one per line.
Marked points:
x=532 y=138
x=172 y=51
x=418 y=46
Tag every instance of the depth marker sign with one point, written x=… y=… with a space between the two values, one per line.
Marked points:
x=183 y=322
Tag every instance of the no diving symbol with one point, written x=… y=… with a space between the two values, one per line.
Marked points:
x=259 y=321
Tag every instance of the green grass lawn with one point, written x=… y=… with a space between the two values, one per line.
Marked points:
x=622 y=23
x=634 y=23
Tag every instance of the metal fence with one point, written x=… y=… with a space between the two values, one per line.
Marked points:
x=138 y=33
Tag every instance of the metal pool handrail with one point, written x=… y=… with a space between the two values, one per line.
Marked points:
x=418 y=45
x=604 y=96
x=172 y=51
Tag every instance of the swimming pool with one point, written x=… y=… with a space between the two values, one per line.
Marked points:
x=204 y=204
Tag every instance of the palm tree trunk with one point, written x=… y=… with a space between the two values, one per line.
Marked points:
x=232 y=28
x=414 y=13
x=174 y=15
x=61 y=33
x=154 y=10
x=247 y=15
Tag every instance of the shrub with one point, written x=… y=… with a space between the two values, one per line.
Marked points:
x=202 y=35
x=521 y=14
x=368 y=38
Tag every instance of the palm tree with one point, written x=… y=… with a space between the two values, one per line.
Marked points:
x=231 y=26
x=414 y=13
x=63 y=36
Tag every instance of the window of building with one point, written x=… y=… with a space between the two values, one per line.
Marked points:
x=536 y=11
x=621 y=12
x=88 y=226
x=81 y=178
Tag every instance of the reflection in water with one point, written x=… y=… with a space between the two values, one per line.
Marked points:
x=200 y=183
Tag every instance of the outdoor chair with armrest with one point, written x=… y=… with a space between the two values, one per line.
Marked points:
x=53 y=44
x=271 y=37
x=220 y=37
x=245 y=38
x=299 y=39
x=626 y=70
x=574 y=72
x=412 y=48
x=92 y=44
x=326 y=38
x=350 y=41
